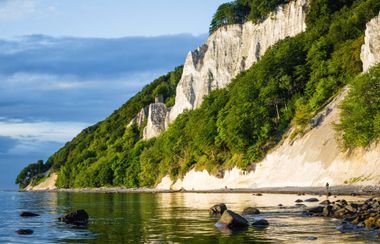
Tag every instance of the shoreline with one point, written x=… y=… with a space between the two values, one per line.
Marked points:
x=373 y=190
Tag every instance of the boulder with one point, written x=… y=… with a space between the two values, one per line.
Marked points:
x=300 y=205
x=218 y=209
x=316 y=210
x=260 y=223
x=24 y=231
x=325 y=202
x=327 y=211
x=250 y=211
x=232 y=221
x=28 y=214
x=79 y=217
x=299 y=200
x=312 y=200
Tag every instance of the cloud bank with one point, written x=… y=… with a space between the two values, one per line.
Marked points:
x=52 y=88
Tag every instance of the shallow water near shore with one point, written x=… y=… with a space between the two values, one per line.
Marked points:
x=164 y=217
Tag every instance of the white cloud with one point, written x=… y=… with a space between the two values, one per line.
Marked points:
x=16 y=9
x=44 y=131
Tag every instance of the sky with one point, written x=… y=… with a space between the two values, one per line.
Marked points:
x=67 y=64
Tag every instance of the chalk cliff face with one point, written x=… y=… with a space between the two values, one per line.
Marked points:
x=156 y=120
x=228 y=51
x=370 y=54
x=231 y=50
x=139 y=119
x=316 y=155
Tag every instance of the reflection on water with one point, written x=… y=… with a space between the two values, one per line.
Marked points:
x=161 y=217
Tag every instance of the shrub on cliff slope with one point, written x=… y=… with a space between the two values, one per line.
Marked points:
x=360 y=122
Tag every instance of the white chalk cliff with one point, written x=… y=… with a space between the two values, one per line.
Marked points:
x=228 y=51
x=370 y=54
x=311 y=160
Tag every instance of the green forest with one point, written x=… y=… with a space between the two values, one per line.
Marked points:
x=236 y=126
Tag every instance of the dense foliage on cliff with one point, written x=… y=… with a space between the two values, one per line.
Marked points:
x=103 y=145
x=360 y=122
x=32 y=173
x=236 y=125
x=239 y=11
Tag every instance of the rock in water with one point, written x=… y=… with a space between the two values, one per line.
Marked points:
x=28 y=214
x=250 y=211
x=218 y=209
x=79 y=217
x=260 y=223
x=232 y=221
x=24 y=231
x=312 y=200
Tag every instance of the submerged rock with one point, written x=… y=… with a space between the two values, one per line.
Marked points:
x=251 y=211
x=232 y=221
x=24 y=231
x=260 y=223
x=218 y=209
x=79 y=217
x=28 y=214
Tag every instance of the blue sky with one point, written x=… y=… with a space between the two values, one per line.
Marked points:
x=66 y=64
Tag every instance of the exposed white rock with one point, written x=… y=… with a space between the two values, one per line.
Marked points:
x=370 y=54
x=231 y=50
x=316 y=157
x=156 y=120
x=139 y=119
x=48 y=184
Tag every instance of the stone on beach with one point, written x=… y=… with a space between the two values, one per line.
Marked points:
x=313 y=199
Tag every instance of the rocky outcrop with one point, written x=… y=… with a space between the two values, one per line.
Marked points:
x=370 y=54
x=156 y=120
x=140 y=117
x=228 y=51
x=316 y=155
x=231 y=50
x=48 y=184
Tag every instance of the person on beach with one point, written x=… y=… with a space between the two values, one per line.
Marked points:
x=327 y=188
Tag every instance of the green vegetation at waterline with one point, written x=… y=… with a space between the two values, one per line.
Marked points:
x=235 y=126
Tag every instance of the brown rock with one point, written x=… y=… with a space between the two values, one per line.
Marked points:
x=250 y=211
x=24 y=231
x=232 y=220
x=218 y=209
x=79 y=217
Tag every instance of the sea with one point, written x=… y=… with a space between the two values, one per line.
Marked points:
x=165 y=218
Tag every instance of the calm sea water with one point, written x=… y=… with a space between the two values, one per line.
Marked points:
x=160 y=218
